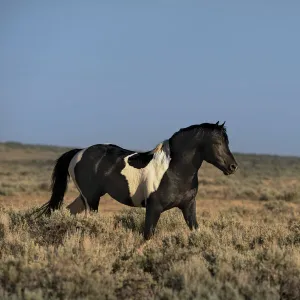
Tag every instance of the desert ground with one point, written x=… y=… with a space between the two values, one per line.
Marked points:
x=247 y=247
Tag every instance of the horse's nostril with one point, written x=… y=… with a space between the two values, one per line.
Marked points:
x=233 y=167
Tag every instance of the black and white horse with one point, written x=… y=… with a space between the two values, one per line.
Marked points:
x=158 y=180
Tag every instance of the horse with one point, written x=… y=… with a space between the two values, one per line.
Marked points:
x=158 y=180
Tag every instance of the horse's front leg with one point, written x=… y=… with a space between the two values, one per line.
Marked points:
x=153 y=212
x=189 y=214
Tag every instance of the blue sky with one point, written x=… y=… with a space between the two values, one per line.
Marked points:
x=78 y=73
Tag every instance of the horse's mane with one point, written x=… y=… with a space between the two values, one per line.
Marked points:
x=211 y=126
x=204 y=126
x=158 y=147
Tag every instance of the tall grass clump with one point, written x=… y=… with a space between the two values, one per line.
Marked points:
x=238 y=253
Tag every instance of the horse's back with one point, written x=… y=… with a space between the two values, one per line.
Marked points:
x=93 y=157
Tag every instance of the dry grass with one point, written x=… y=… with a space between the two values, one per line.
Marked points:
x=244 y=249
x=240 y=252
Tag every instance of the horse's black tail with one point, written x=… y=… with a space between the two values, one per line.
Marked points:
x=59 y=183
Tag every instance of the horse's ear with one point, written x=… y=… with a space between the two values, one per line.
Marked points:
x=222 y=125
x=217 y=123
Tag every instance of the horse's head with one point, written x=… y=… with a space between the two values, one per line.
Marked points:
x=215 y=148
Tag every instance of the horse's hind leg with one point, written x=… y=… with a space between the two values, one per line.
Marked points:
x=77 y=206
x=83 y=202
x=93 y=200
x=94 y=203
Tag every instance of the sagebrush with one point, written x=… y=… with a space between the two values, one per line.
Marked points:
x=238 y=253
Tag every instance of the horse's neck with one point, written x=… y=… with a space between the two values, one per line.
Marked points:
x=185 y=151
x=185 y=162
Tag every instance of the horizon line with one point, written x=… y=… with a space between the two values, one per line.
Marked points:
x=66 y=146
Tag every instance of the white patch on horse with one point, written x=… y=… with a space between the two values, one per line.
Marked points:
x=75 y=160
x=142 y=182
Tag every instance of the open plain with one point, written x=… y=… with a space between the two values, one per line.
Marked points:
x=247 y=247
